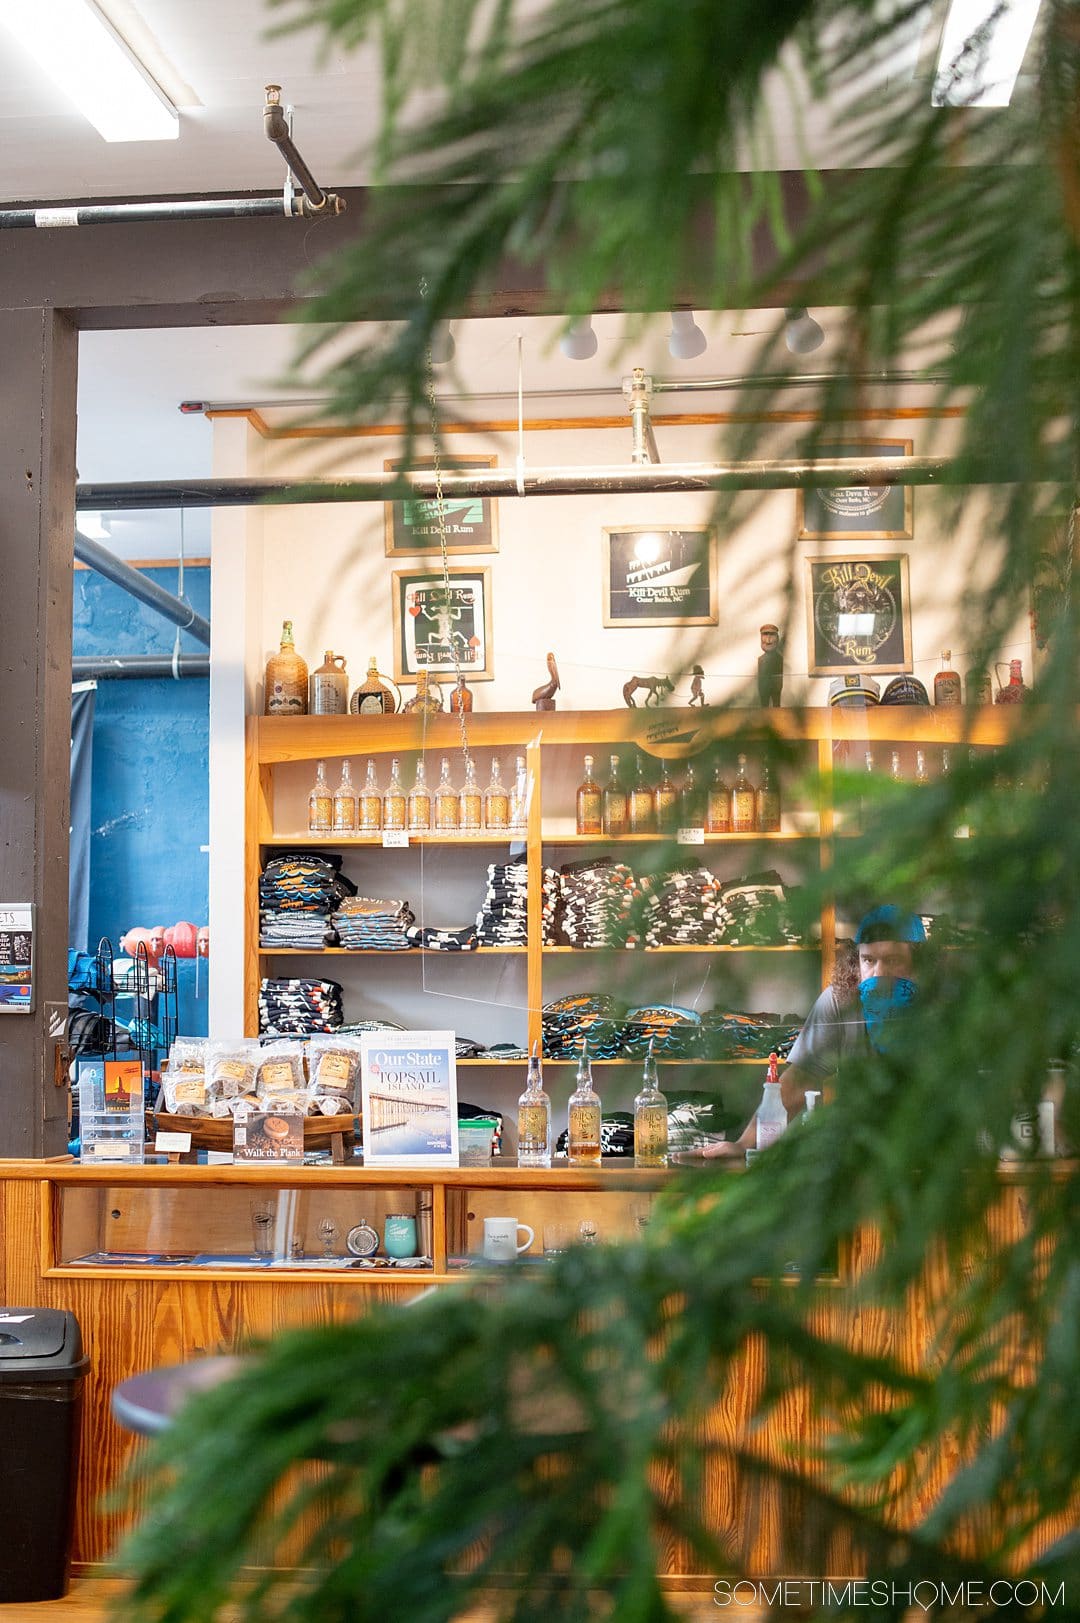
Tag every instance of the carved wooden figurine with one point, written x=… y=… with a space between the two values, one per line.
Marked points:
x=697 y=686
x=770 y=667
x=656 y=689
x=544 y=697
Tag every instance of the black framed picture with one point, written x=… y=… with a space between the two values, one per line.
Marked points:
x=859 y=615
x=439 y=629
x=412 y=526
x=655 y=576
x=857 y=512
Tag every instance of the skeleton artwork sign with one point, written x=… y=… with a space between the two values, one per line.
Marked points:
x=858 y=615
x=442 y=625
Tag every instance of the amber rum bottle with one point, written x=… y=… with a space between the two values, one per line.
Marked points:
x=583 y=1118
x=589 y=814
x=743 y=802
x=614 y=802
x=642 y=811
x=286 y=684
x=718 y=804
x=768 y=801
x=947 y=686
x=667 y=802
x=691 y=802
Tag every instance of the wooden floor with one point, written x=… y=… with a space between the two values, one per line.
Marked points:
x=100 y=1600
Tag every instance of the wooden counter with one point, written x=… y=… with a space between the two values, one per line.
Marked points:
x=134 y=1318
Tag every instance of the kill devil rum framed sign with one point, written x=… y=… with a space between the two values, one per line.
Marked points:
x=857 y=512
x=858 y=614
x=659 y=577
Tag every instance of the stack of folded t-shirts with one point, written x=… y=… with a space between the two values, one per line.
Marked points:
x=731 y=1034
x=583 y=1016
x=503 y=917
x=754 y=912
x=680 y=908
x=298 y=891
x=673 y=1032
x=299 y=1006
x=597 y=904
x=367 y=923
x=439 y=938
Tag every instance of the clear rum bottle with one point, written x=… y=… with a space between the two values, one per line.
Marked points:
x=583 y=1118
x=534 y=1118
x=320 y=804
x=650 y=1120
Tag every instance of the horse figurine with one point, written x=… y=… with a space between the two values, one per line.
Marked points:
x=656 y=688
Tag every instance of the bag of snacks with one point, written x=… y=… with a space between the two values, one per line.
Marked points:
x=186 y=1093
x=231 y=1068
x=280 y=1069
x=188 y=1054
x=334 y=1071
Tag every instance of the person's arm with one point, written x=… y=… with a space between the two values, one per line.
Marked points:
x=793 y=1086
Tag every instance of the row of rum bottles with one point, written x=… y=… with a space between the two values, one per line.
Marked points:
x=444 y=806
x=583 y=1140
x=639 y=806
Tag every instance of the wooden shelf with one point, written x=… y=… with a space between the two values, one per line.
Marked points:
x=636 y=951
x=382 y=952
x=375 y=841
x=669 y=839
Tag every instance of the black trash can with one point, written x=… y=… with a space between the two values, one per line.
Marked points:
x=41 y=1375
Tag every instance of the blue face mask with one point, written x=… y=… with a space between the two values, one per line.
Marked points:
x=883 y=999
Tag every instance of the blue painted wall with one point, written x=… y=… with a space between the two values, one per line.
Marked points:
x=150 y=794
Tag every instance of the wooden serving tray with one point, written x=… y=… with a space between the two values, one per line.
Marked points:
x=207 y=1134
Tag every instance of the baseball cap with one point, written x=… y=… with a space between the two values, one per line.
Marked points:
x=890 y=923
x=854 y=692
x=905 y=690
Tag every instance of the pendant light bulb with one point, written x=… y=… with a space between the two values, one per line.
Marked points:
x=442 y=344
x=579 y=342
x=686 y=339
x=802 y=335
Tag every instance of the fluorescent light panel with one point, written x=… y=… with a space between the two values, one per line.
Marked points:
x=87 y=61
x=982 y=47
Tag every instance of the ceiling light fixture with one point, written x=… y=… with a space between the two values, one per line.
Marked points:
x=442 y=344
x=579 y=343
x=982 y=48
x=87 y=61
x=686 y=339
x=802 y=335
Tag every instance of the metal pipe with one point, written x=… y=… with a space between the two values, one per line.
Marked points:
x=147 y=591
x=277 y=129
x=218 y=208
x=103 y=667
x=559 y=481
x=794 y=380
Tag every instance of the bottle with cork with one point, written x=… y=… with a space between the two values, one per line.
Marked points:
x=286 y=684
x=947 y=689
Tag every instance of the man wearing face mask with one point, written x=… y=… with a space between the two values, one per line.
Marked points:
x=856 y=1016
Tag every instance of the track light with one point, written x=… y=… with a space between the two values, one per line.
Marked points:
x=802 y=335
x=579 y=343
x=686 y=339
x=89 y=63
x=442 y=344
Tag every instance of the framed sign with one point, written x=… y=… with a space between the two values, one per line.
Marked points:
x=859 y=615
x=16 y=957
x=412 y=526
x=660 y=577
x=857 y=512
x=409 y=1083
x=439 y=630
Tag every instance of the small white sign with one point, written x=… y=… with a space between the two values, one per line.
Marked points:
x=170 y=1143
x=395 y=837
x=112 y=1149
x=691 y=836
x=219 y=1158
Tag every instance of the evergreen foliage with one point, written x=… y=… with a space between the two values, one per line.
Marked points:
x=555 y=1427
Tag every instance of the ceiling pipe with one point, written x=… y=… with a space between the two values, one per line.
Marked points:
x=277 y=129
x=147 y=496
x=218 y=208
x=107 y=667
x=131 y=580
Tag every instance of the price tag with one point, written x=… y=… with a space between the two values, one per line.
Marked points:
x=172 y=1143
x=219 y=1158
x=691 y=836
x=395 y=837
x=117 y=1149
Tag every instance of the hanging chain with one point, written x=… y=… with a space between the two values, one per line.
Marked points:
x=440 y=518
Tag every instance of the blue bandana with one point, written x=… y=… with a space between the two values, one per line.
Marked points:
x=883 y=998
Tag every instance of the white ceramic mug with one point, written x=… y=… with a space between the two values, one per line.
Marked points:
x=500 y=1238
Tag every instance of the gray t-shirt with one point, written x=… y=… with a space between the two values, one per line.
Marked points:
x=831 y=1035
